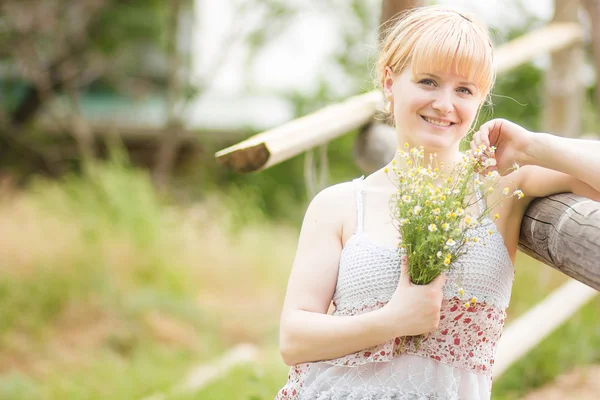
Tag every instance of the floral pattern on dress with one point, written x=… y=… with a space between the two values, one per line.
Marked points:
x=466 y=338
x=295 y=382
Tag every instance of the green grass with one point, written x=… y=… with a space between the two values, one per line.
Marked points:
x=147 y=369
x=110 y=291
x=254 y=381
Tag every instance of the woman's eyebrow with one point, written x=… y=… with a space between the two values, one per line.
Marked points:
x=460 y=83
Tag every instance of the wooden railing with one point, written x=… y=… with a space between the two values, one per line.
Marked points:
x=563 y=230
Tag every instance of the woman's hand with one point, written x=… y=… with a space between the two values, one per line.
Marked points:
x=511 y=141
x=415 y=309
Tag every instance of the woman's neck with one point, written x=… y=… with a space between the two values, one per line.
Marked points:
x=447 y=159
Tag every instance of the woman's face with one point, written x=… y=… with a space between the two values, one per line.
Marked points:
x=434 y=109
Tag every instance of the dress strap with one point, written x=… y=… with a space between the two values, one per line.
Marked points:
x=359 y=204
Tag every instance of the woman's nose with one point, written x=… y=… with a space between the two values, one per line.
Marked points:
x=443 y=103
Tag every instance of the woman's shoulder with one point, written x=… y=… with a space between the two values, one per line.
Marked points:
x=331 y=207
x=335 y=195
x=334 y=203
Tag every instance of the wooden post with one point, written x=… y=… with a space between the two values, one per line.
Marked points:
x=391 y=8
x=279 y=144
x=564 y=90
x=593 y=9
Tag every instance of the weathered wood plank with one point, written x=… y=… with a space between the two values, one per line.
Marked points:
x=563 y=231
x=552 y=38
x=271 y=147
x=290 y=139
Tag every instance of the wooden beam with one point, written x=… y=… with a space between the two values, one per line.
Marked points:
x=292 y=138
x=375 y=146
x=551 y=38
x=532 y=327
x=203 y=375
x=563 y=231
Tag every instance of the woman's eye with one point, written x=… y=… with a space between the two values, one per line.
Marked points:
x=465 y=90
x=427 y=82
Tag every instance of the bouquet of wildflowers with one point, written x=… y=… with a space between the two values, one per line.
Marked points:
x=431 y=208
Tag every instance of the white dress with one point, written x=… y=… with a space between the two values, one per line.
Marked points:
x=454 y=362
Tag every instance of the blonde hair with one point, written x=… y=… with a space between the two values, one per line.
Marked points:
x=434 y=37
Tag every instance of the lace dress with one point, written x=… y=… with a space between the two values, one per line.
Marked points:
x=454 y=362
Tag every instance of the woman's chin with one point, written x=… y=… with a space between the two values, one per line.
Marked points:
x=433 y=140
x=436 y=142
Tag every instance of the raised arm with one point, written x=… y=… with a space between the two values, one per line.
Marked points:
x=550 y=164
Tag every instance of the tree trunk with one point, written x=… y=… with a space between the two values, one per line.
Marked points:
x=564 y=90
x=391 y=8
x=35 y=95
x=80 y=128
x=593 y=9
x=171 y=141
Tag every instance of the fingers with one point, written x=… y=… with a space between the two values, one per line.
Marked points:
x=482 y=141
x=474 y=150
x=404 y=271
x=474 y=145
x=439 y=280
x=484 y=134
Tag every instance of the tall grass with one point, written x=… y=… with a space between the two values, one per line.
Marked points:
x=110 y=291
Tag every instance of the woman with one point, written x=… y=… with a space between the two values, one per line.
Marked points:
x=436 y=70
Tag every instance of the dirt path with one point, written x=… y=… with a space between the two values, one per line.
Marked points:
x=579 y=384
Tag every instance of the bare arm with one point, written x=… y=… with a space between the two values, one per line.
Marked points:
x=575 y=157
x=307 y=333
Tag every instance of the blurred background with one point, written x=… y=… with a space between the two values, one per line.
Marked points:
x=131 y=262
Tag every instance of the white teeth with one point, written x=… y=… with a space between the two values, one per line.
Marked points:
x=436 y=122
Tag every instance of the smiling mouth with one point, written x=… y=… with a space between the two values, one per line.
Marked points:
x=437 y=122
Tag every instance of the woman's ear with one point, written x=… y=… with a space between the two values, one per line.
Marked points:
x=388 y=83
